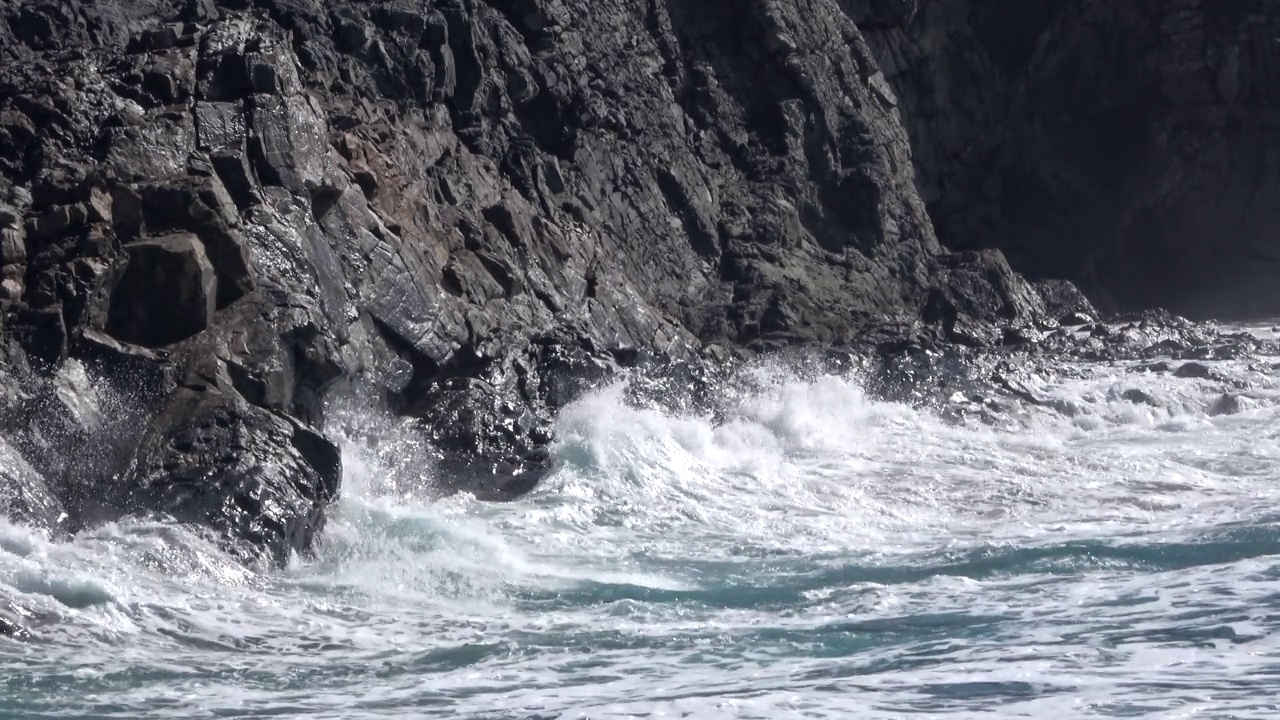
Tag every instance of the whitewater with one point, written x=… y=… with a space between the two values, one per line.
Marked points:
x=815 y=553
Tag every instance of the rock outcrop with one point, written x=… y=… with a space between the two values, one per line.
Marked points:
x=1128 y=146
x=24 y=495
x=469 y=210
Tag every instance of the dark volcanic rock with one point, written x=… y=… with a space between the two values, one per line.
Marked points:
x=212 y=458
x=1064 y=301
x=167 y=292
x=472 y=212
x=1194 y=370
x=975 y=294
x=1131 y=147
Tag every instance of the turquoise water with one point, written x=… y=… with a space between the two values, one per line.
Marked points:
x=819 y=555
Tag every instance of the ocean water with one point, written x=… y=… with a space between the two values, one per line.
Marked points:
x=817 y=555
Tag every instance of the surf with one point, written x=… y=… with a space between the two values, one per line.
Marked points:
x=806 y=549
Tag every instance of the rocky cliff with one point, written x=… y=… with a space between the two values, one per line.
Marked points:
x=217 y=217
x=1129 y=146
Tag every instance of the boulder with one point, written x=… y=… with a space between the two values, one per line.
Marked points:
x=1196 y=371
x=42 y=332
x=13 y=247
x=202 y=205
x=488 y=446
x=167 y=292
x=11 y=284
x=1228 y=404
x=261 y=479
x=975 y=294
x=1063 y=300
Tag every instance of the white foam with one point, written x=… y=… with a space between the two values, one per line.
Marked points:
x=628 y=582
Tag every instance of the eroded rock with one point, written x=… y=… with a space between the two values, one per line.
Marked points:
x=263 y=479
x=167 y=291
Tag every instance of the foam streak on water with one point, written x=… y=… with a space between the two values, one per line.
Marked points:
x=818 y=555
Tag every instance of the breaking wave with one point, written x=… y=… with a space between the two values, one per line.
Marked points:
x=810 y=553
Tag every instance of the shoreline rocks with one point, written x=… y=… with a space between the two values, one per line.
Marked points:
x=229 y=214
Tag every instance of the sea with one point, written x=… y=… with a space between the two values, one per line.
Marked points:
x=810 y=553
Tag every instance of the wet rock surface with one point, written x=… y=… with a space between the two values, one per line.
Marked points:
x=11 y=629
x=995 y=385
x=25 y=496
x=470 y=212
x=212 y=458
x=166 y=292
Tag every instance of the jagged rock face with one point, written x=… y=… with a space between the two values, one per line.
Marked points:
x=214 y=459
x=475 y=207
x=1129 y=146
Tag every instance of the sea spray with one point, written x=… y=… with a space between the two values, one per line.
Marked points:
x=803 y=551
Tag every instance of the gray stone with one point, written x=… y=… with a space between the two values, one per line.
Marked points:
x=13 y=246
x=261 y=479
x=11 y=283
x=1227 y=404
x=167 y=292
x=221 y=126
x=24 y=495
x=1194 y=370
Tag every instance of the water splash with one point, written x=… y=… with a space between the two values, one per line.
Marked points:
x=808 y=553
